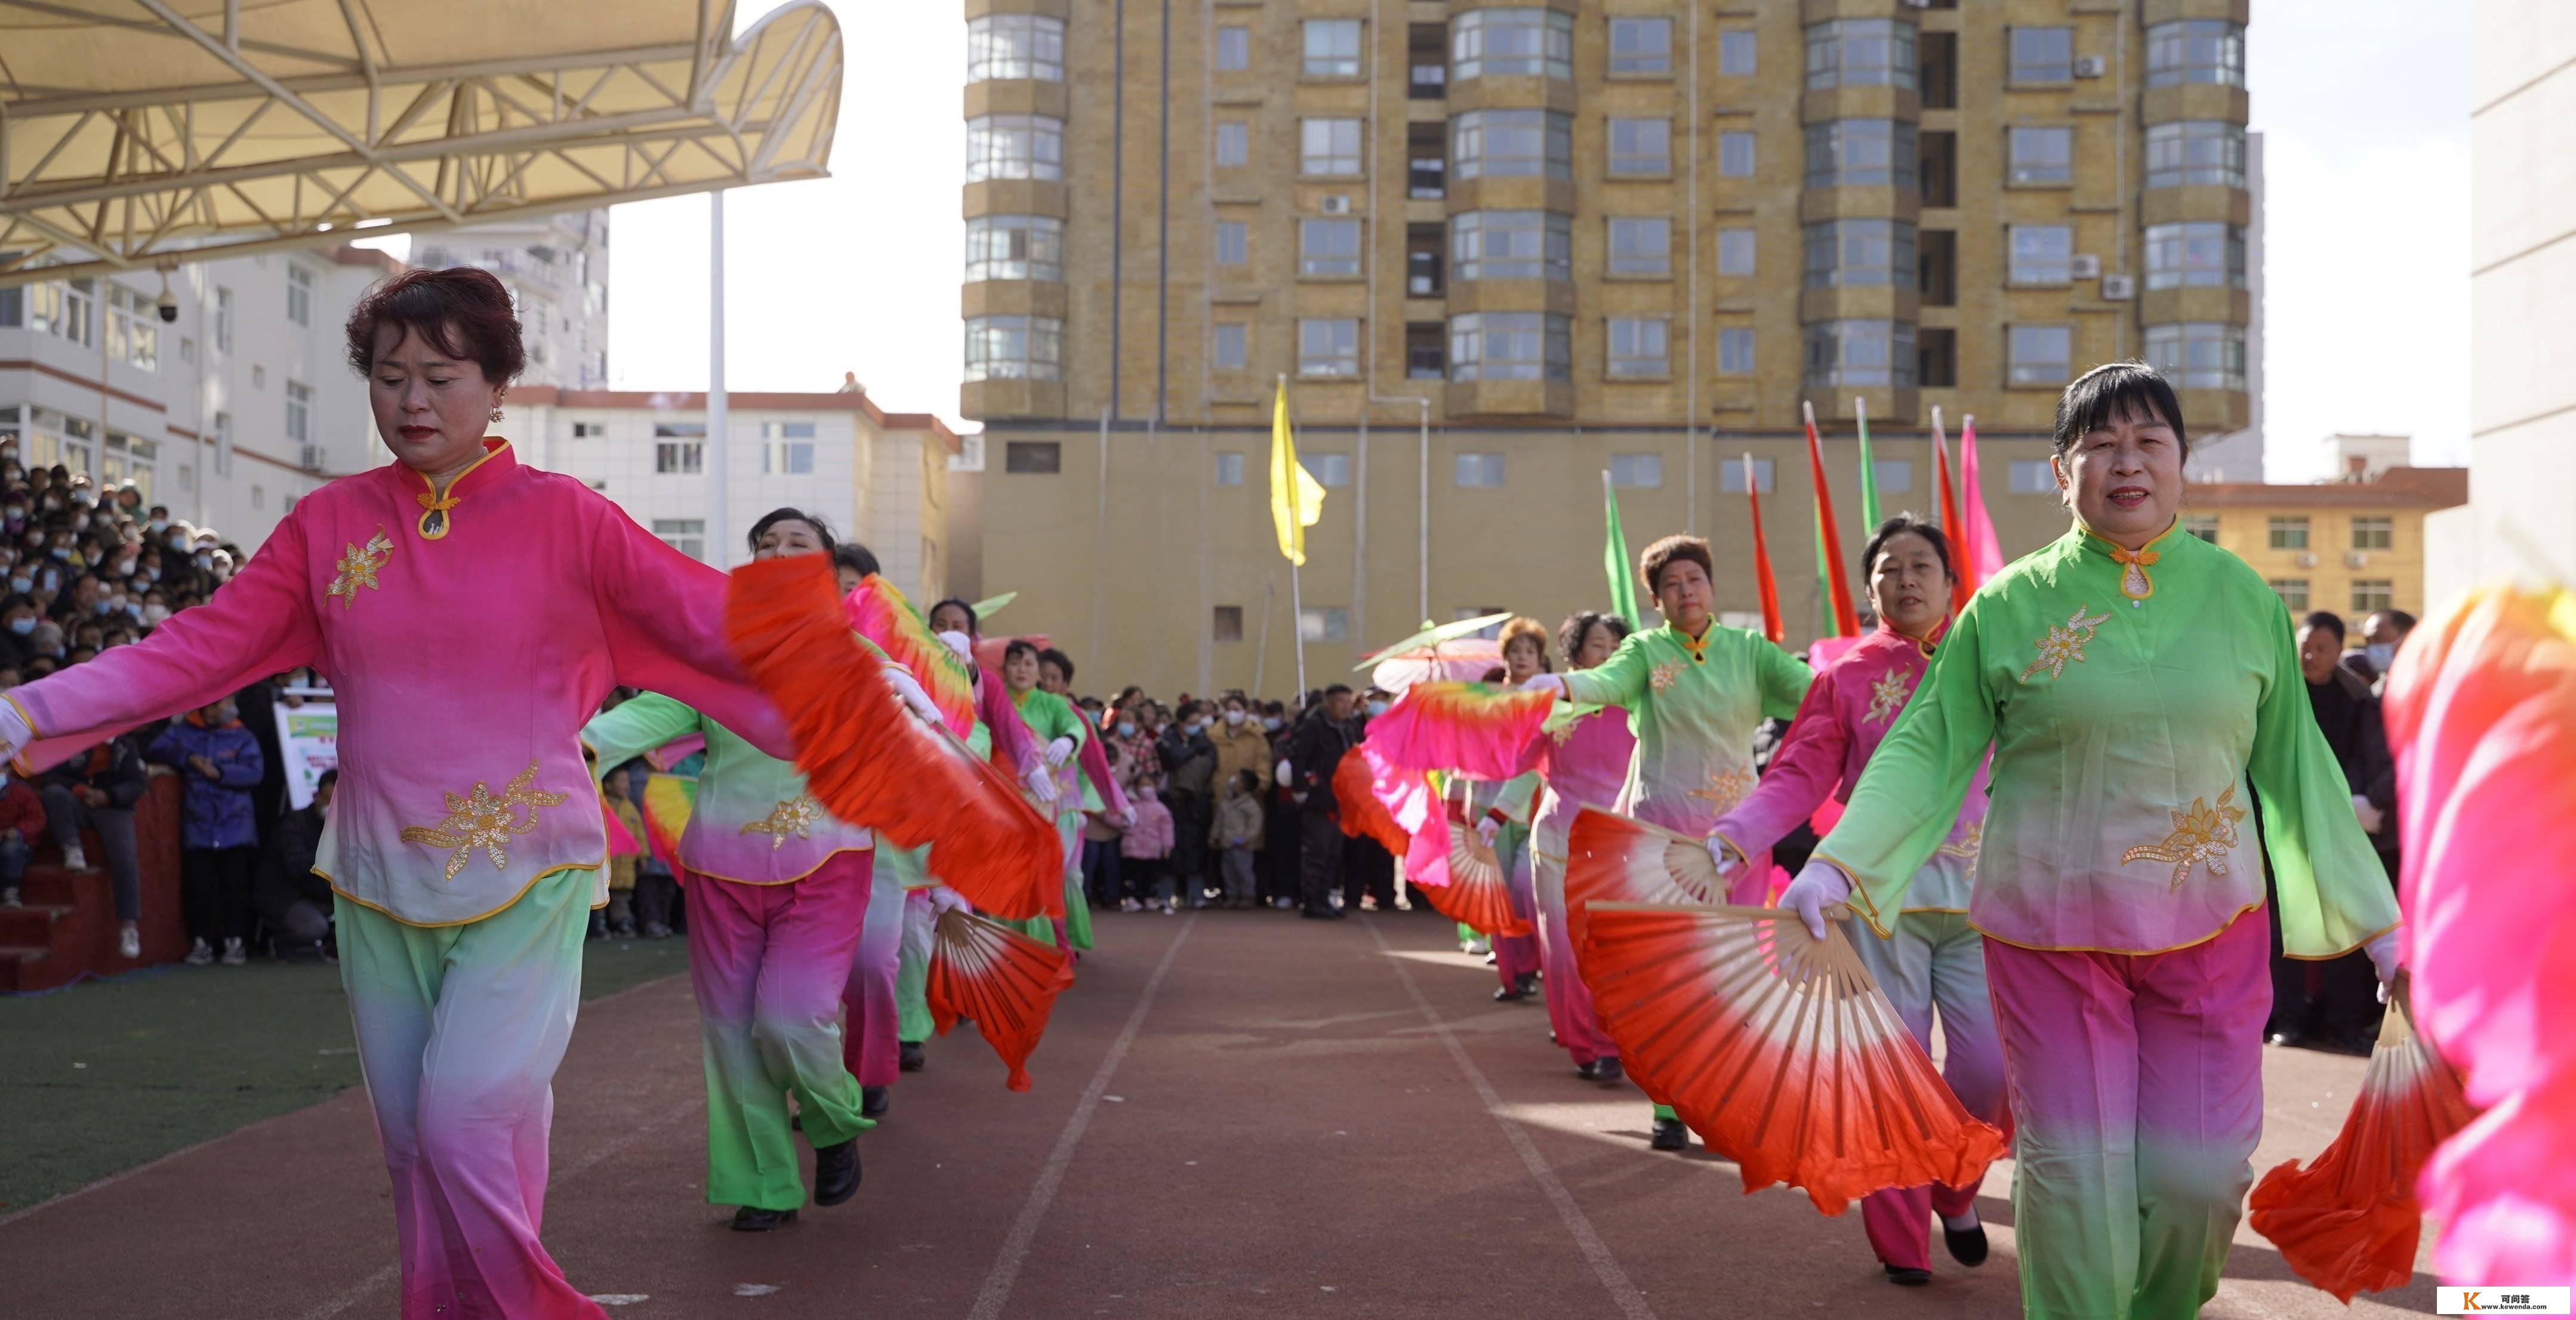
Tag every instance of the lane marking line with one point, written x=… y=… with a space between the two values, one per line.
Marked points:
x=1605 y=1266
x=996 y=1292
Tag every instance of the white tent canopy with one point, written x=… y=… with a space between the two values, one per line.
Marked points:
x=137 y=134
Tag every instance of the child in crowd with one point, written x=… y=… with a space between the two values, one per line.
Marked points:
x=621 y=865
x=22 y=814
x=1147 y=845
x=219 y=762
x=1101 y=882
x=1237 y=832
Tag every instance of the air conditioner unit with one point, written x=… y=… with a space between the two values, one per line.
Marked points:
x=2089 y=66
x=2119 y=288
x=312 y=458
x=2307 y=561
x=2356 y=559
x=2087 y=266
x=1337 y=204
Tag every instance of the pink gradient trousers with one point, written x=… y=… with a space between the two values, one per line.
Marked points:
x=1934 y=960
x=1517 y=956
x=869 y=1047
x=1569 y=1001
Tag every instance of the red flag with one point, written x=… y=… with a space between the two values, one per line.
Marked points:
x=1846 y=620
x=1960 y=586
x=1762 y=560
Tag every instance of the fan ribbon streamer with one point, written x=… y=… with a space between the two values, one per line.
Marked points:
x=880 y=613
x=1476 y=730
x=1000 y=980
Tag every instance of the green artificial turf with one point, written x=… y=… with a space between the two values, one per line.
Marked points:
x=111 y=1074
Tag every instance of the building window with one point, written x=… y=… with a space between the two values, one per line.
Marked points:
x=1735 y=53
x=1015 y=46
x=1510 y=346
x=1328 y=247
x=1735 y=352
x=1229 y=467
x=258 y=375
x=2293 y=593
x=1233 y=143
x=299 y=413
x=2039 y=355
x=679 y=458
x=1895 y=475
x=589 y=430
x=1331 y=469
x=1860 y=52
x=1639 y=348
x=1853 y=253
x=2043 y=55
x=1845 y=353
x=2289 y=533
x=1641 y=146
x=1014 y=348
x=259 y=497
x=223 y=438
x=1225 y=623
x=1735 y=249
x=686 y=535
x=1735 y=155
x=1641 y=45
x=1233 y=49
x=1033 y=457
x=2033 y=476
x=2373 y=594
x=1477 y=470
x=1014 y=247
x=2041 y=154
x=1228 y=346
x=1328 y=348
x=1232 y=243
x=1511 y=245
x=2198 y=355
x=224 y=319
x=1332 y=48
x=1860 y=153
x=1324 y=623
x=299 y=294
x=2373 y=533
x=2200 y=254
x=2202 y=525
x=2196 y=151
x=1331 y=147
x=1637 y=471
x=1511 y=41
x=787 y=449
x=1641 y=245
x=2040 y=254
x=1513 y=142
x=1730 y=476
x=1014 y=147
x=133 y=328
x=2196 y=50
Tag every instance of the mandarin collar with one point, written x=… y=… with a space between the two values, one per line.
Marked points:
x=438 y=514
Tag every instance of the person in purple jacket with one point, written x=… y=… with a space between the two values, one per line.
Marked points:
x=219 y=761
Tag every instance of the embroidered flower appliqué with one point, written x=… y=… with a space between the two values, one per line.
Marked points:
x=1665 y=675
x=357 y=568
x=1967 y=843
x=480 y=820
x=2202 y=835
x=796 y=816
x=1886 y=697
x=2064 y=645
x=1726 y=788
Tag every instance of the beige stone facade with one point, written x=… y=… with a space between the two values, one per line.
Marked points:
x=2349 y=547
x=1450 y=211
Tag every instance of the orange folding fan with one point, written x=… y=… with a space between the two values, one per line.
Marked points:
x=999 y=979
x=2350 y=1222
x=1477 y=893
x=1778 y=1050
x=1612 y=858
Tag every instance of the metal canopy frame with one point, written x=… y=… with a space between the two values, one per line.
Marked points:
x=302 y=143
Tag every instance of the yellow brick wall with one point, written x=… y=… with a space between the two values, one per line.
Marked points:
x=2329 y=575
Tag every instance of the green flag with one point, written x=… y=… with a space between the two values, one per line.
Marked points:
x=1868 y=473
x=1614 y=559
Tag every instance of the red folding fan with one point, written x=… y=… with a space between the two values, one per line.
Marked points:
x=1363 y=815
x=1778 y=1050
x=2350 y=1222
x=1477 y=894
x=999 y=979
x=1613 y=858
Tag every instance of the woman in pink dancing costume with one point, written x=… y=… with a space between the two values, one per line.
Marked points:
x=1584 y=761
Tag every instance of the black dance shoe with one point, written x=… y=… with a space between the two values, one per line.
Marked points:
x=1670 y=1135
x=1601 y=1070
x=753 y=1219
x=836 y=1172
x=1967 y=1246
x=908 y=1056
x=873 y=1101
x=1907 y=1277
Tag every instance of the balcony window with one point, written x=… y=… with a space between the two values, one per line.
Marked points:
x=1426 y=351
x=1328 y=348
x=2041 y=154
x=1637 y=471
x=1640 y=348
x=2196 y=151
x=1014 y=247
x=1014 y=348
x=1330 y=147
x=1014 y=147
x=2042 y=55
x=1227 y=346
x=1641 y=245
x=1860 y=353
x=1513 y=143
x=1512 y=41
x=1641 y=146
x=1857 y=253
x=1510 y=346
x=1512 y=245
x=1332 y=48
x=1860 y=52
x=1328 y=247
x=1860 y=153
x=2198 y=355
x=1426 y=257
x=1233 y=143
x=1427 y=62
x=1737 y=51
x=1426 y=152
x=1014 y=46
x=1735 y=155
x=2199 y=254
x=2040 y=254
x=2196 y=50
x=1233 y=243
x=1735 y=352
x=1640 y=46
x=2039 y=355
x=1233 y=49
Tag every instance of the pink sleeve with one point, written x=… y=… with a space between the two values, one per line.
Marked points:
x=260 y=623
x=1803 y=774
x=1095 y=764
x=1011 y=738
x=663 y=614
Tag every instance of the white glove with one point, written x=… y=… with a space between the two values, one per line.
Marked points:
x=1819 y=885
x=1059 y=751
x=2383 y=956
x=2370 y=816
x=914 y=697
x=14 y=732
x=1487 y=828
x=1728 y=860
x=1545 y=682
x=944 y=899
x=959 y=642
x=1282 y=773
x=1041 y=784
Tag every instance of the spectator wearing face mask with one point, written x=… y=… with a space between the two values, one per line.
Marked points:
x=1189 y=780
x=1240 y=743
x=96 y=791
x=219 y=763
x=22 y=815
x=18 y=620
x=1275 y=880
x=294 y=902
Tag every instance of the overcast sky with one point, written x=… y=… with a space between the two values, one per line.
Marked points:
x=2363 y=105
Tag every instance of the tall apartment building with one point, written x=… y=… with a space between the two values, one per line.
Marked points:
x=1498 y=251
x=557 y=270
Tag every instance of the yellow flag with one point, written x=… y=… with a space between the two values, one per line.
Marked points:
x=1296 y=498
